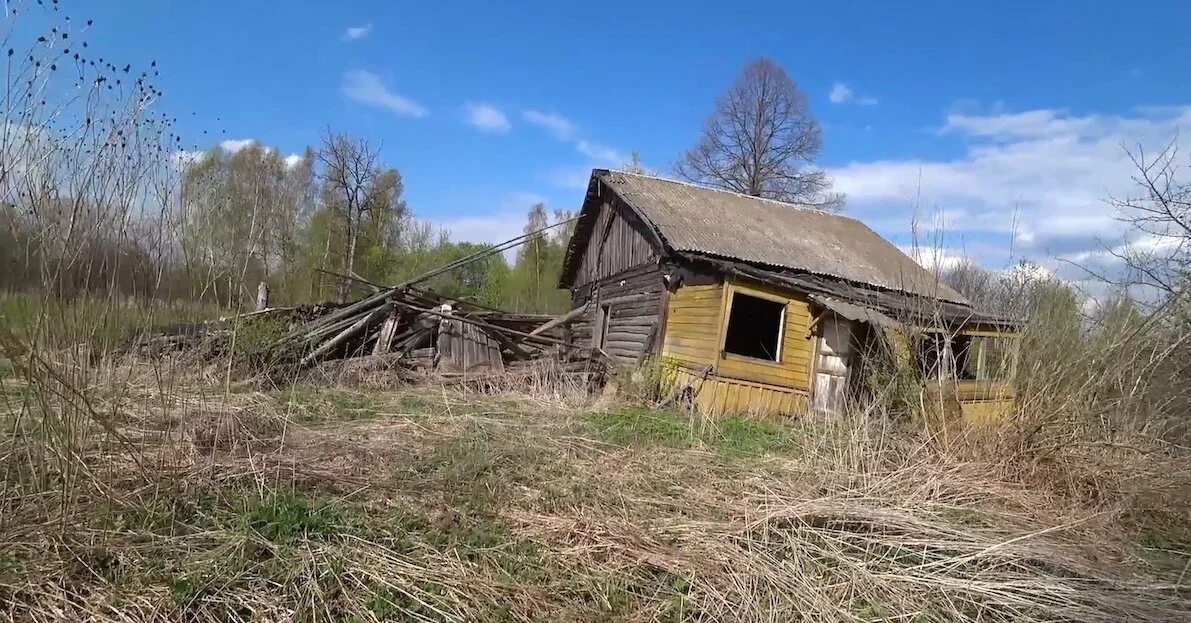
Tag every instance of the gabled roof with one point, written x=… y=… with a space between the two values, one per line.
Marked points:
x=718 y=223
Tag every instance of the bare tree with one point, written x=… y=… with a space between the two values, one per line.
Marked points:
x=350 y=171
x=762 y=141
x=635 y=165
x=1158 y=255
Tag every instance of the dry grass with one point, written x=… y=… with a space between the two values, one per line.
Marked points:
x=306 y=504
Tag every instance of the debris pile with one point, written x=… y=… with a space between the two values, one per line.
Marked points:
x=425 y=330
x=407 y=325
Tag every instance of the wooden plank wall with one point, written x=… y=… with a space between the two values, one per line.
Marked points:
x=714 y=395
x=693 y=325
x=463 y=347
x=694 y=334
x=623 y=247
x=693 y=340
x=633 y=299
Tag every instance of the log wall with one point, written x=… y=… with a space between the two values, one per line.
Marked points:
x=623 y=319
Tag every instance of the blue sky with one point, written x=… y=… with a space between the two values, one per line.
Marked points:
x=1002 y=121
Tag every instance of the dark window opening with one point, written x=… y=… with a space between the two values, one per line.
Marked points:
x=934 y=356
x=754 y=327
x=964 y=357
x=985 y=358
x=602 y=322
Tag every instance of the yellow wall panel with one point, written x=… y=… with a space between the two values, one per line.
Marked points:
x=692 y=325
x=986 y=411
x=714 y=395
x=694 y=337
x=793 y=371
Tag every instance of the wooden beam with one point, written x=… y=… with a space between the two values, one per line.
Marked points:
x=343 y=336
x=561 y=320
x=810 y=329
x=527 y=337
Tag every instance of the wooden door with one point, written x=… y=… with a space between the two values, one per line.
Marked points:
x=833 y=364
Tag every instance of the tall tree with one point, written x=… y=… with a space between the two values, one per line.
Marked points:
x=351 y=168
x=763 y=141
x=534 y=280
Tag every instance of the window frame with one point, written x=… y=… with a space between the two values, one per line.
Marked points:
x=952 y=363
x=983 y=343
x=729 y=299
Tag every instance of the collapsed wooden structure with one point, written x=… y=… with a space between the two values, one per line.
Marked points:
x=421 y=329
x=407 y=325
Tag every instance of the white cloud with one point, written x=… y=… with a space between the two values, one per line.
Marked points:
x=233 y=146
x=1029 y=124
x=367 y=88
x=491 y=228
x=557 y=125
x=486 y=118
x=601 y=153
x=355 y=33
x=935 y=259
x=841 y=94
x=184 y=158
x=506 y=223
x=292 y=160
x=1029 y=272
x=1036 y=179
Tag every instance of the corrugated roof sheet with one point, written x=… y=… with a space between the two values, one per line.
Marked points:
x=751 y=229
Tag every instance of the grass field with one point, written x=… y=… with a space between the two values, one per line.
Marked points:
x=436 y=504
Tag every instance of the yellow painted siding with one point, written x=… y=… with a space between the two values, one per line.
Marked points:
x=694 y=336
x=793 y=371
x=715 y=395
x=986 y=411
x=984 y=401
x=692 y=325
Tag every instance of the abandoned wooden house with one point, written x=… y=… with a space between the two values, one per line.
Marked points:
x=752 y=305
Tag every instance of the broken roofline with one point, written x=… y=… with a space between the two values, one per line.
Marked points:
x=897 y=304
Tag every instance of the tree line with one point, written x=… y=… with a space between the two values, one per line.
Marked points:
x=98 y=198
x=318 y=228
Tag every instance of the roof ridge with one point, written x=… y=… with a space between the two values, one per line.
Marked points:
x=797 y=206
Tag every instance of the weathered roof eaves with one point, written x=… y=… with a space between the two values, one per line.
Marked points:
x=899 y=307
x=597 y=196
x=852 y=311
x=724 y=224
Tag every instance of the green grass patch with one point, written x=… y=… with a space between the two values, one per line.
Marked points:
x=637 y=426
x=321 y=405
x=287 y=516
x=101 y=323
x=746 y=436
x=961 y=516
x=1165 y=551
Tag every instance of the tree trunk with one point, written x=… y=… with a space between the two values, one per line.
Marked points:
x=349 y=268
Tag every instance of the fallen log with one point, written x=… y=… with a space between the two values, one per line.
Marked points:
x=347 y=333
